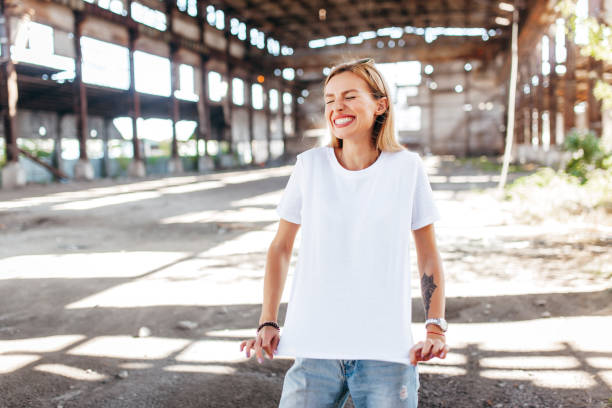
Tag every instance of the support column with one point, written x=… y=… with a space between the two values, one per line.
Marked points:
x=553 y=82
x=205 y=162
x=83 y=170
x=294 y=113
x=137 y=166
x=431 y=118
x=569 y=100
x=468 y=122
x=106 y=168
x=228 y=106
x=248 y=85
x=540 y=92
x=13 y=174
x=230 y=88
x=175 y=165
x=57 y=145
x=266 y=100
x=280 y=117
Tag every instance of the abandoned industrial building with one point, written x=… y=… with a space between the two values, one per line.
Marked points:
x=109 y=88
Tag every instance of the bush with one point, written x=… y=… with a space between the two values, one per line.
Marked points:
x=557 y=194
x=587 y=156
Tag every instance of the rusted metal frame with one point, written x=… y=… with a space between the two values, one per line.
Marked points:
x=134 y=96
x=146 y=31
x=280 y=118
x=254 y=22
x=56 y=158
x=80 y=97
x=204 y=127
x=174 y=77
x=229 y=99
x=56 y=172
x=553 y=82
x=294 y=112
x=538 y=89
x=543 y=83
x=248 y=99
x=569 y=100
x=10 y=92
x=532 y=100
x=266 y=98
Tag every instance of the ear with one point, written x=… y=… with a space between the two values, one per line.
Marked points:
x=382 y=104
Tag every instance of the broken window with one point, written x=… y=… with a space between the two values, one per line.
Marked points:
x=105 y=64
x=257 y=96
x=273 y=96
x=217 y=88
x=148 y=16
x=238 y=91
x=152 y=73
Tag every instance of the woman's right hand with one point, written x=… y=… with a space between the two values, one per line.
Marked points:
x=266 y=340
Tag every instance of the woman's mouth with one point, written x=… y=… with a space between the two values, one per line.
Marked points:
x=343 y=121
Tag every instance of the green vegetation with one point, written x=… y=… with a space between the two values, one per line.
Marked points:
x=488 y=164
x=561 y=195
x=124 y=162
x=598 y=40
x=587 y=155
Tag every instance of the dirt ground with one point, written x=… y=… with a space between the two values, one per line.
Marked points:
x=137 y=293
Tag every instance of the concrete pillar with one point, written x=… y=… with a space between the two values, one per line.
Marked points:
x=228 y=105
x=553 y=82
x=137 y=166
x=280 y=119
x=468 y=116
x=248 y=84
x=569 y=100
x=57 y=145
x=230 y=88
x=175 y=165
x=13 y=174
x=294 y=112
x=266 y=100
x=205 y=162
x=83 y=170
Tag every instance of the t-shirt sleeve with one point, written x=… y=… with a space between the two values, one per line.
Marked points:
x=424 y=209
x=290 y=205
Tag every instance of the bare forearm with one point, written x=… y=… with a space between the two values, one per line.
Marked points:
x=432 y=286
x=277 y=265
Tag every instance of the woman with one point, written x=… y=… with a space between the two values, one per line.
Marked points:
x=349 y=314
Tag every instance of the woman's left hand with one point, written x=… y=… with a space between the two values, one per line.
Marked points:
x=433 y=346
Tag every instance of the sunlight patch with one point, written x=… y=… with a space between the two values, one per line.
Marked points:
x=39 y=344
x=125 y=347
x=71 y=372
x=207 y=369
x=14 y=362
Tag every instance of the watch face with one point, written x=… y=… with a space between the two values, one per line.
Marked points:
x=439 y=322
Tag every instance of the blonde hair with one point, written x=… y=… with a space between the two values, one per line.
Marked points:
x=383 y=133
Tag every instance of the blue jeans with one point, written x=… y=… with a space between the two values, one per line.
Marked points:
x=326 y=383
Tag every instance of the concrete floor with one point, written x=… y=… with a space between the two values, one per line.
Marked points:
x=85 y=266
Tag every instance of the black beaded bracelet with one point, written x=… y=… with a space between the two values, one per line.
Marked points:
x=273 y=324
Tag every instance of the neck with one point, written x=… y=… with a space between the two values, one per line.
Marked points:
x=357 y=157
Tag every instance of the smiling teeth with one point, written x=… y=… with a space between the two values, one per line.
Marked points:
x=342 y=121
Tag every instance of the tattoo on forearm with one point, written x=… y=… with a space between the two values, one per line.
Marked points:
x=427 y=289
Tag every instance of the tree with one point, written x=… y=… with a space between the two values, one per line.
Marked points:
x=598 y=44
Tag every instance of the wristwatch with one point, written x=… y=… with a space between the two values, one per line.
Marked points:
x=440 y=322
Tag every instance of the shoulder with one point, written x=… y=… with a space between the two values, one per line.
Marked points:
x=404 y=157
x=312 y=155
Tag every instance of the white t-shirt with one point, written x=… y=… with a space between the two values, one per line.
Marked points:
x=350 y=297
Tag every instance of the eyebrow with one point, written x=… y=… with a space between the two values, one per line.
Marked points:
x=345 y=92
